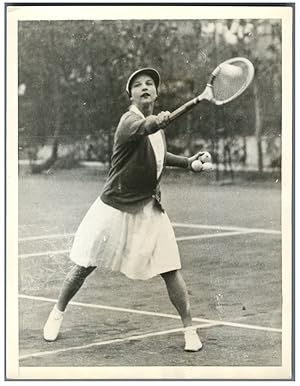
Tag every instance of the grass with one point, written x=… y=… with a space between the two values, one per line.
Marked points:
x=233 y=278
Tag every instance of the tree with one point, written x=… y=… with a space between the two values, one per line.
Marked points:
x=75 y=72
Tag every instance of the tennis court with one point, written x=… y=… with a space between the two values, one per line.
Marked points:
x=230 y=243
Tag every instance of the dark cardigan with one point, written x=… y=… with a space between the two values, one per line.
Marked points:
x=132 y=180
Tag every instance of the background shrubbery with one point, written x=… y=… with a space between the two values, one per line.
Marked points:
x=72 y=77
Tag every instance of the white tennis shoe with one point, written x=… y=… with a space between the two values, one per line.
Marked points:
x=52 y=326
x=192 y=341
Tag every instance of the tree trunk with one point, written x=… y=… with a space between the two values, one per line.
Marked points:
x=258 y=127
x=244 y=159
x=37 y=168
x=56 y=102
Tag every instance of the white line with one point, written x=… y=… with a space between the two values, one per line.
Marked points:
x=129 y=310
x=228 y=228
x=195 y=237
x=182 y=225
x=99 y=306
x=42 y=237
x=47 y=253
x=106 y=342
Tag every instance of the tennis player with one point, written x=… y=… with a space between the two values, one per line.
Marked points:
x=126 y=229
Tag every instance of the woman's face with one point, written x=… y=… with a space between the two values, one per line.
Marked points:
x=143 y=91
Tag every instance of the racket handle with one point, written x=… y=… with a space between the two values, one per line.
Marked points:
x=183 y=109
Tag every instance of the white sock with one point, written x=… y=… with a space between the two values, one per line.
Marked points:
x=57 y=312
x=189 y=330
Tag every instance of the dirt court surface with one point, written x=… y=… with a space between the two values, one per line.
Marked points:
x=230 y=244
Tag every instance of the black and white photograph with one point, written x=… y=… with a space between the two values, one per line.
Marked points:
x=149 y=191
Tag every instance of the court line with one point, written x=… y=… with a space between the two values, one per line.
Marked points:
x=228 y=228
x=195 y=237
x=182 y=225
x=47 y=253
x=150 y=313
x=42 y=237
x=107 y=342
x=183 y=238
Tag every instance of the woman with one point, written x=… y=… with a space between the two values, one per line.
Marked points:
x=126 y=229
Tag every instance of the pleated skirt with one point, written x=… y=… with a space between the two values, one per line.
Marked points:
x=140 y=245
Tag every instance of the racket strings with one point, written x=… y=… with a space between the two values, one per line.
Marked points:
x=231 y=80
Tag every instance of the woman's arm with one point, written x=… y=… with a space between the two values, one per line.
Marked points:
x=133 y=127
x=177 y=161
x=181 y=161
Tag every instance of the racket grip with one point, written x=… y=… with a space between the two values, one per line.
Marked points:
x=183 y=109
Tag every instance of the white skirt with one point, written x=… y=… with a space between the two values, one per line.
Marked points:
x=140 y=245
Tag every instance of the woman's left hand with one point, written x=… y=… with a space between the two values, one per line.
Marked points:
x=194 y=158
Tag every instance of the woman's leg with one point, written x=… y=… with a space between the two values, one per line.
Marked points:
x=179 y=297
x=71 y=285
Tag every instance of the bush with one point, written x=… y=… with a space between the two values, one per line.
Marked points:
x=68 y=161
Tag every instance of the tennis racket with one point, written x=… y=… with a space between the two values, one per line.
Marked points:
x=228 y=81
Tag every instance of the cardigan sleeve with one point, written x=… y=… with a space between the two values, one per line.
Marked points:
x=131 y=127
x=176 y=160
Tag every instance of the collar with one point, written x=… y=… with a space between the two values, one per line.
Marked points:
x=135 y=110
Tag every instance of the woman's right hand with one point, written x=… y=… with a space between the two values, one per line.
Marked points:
x=162 y=119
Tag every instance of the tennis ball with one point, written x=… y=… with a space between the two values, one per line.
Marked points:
x=231 y=70
x=197 y=165
x=205 y=157
x=207 y=167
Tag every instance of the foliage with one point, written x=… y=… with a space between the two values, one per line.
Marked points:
x=72 y=75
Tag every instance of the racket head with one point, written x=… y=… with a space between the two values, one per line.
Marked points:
x=230 y=79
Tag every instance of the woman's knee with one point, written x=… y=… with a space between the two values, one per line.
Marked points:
x=171 y=275
x=79 y=272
